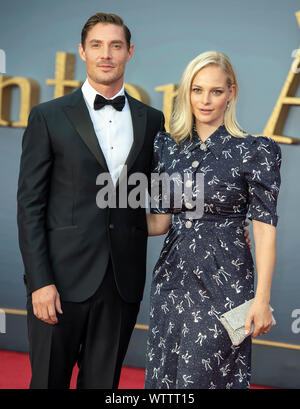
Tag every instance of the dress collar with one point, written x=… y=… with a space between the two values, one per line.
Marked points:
x=214 y=143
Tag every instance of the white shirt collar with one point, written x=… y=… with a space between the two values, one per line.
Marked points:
x=89 y=93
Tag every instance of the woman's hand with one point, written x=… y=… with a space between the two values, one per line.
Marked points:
x=260 y=315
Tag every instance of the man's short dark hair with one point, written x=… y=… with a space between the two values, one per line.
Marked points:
x=105 y=18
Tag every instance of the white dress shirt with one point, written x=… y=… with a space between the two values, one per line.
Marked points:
x=113 y=129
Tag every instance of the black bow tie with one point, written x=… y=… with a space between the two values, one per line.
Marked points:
x=118 y=102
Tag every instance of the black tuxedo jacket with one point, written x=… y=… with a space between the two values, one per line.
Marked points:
x=65 y=238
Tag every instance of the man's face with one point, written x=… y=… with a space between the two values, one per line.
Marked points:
x=105 y=53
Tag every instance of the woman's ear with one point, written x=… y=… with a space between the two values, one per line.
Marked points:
x=232 y=91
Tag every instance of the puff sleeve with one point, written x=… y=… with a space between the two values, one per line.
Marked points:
x=159 y=180
x=262 y=174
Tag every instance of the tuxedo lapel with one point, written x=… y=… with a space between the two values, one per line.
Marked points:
x=79 y=116
x=139 y=119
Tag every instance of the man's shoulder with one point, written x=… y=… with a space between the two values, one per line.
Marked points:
x=141 y=104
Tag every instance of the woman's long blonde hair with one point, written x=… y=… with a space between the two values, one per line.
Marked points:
x=182 y=120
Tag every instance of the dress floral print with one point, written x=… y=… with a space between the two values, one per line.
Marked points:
x=205 y=267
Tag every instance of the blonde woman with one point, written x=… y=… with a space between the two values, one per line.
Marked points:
x=205 y=267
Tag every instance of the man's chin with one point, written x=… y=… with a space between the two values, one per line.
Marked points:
x=106 y=80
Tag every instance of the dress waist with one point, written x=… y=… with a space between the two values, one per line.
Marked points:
x=213 y=220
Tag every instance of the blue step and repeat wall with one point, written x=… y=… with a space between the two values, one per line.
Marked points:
x=261 y=37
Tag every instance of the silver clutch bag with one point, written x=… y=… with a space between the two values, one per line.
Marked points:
x=234 y=322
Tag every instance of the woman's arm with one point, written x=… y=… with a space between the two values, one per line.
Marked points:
x=265 y=256
x=158 y=224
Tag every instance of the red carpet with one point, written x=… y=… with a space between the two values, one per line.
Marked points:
x=15 y=373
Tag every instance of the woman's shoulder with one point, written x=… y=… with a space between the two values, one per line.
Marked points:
x=255 y=141
x=261 y=143
x=263 y=146
x=163 y=138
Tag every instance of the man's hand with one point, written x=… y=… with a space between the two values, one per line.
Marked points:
x=246 y=234
x=46 y=302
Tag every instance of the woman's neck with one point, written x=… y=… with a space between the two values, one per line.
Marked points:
x=205 y=130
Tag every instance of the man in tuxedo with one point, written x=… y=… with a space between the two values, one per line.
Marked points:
x=84 y=265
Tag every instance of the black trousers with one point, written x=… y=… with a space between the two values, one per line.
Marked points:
x=94 y=333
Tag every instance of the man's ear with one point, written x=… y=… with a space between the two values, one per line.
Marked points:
x=130 y=52
x=81 y=52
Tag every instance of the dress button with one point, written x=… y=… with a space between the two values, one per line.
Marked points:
x=188 y=183
x=188 y=224
x=203 y=146
x=111 y=226
x=189 y=205
x=195 y=164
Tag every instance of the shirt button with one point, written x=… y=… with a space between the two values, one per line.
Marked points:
x=188 y=183
x=195 y=164
x=111 y=226
x=188 y=224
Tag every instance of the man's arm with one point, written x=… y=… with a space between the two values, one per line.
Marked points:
x=32 y=196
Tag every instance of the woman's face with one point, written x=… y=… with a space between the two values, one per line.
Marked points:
x=210 y=95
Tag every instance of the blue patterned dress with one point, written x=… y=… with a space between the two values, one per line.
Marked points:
x=205 y=267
